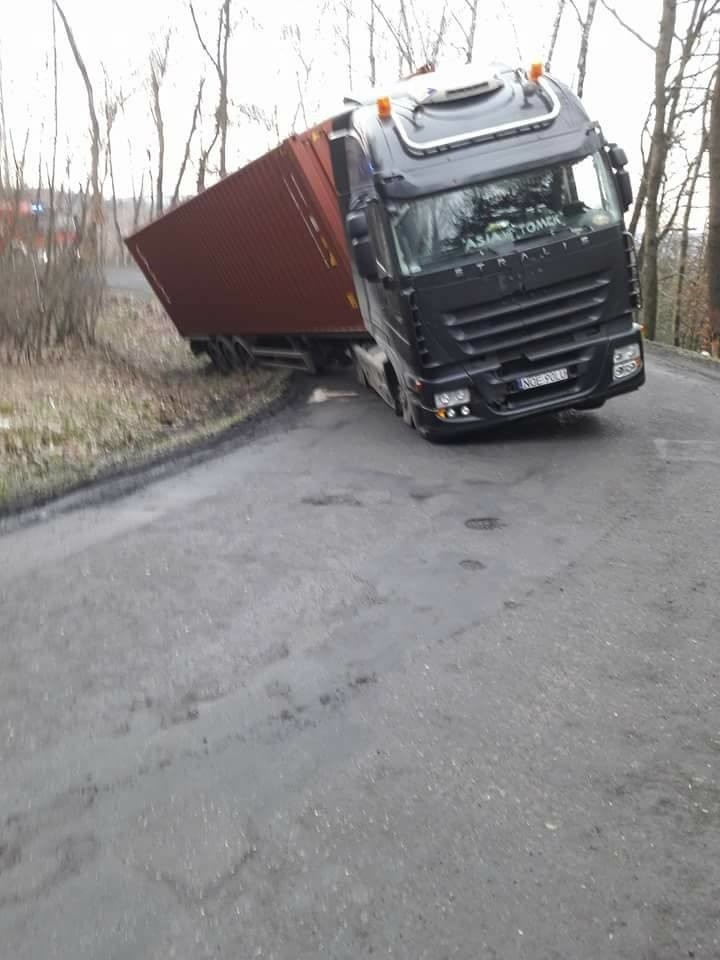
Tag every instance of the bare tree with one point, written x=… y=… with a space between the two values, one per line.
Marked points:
x=219 y=61
x=630 y=29
x=4 y=136
x=586 y=23
x=303 y=70
x=513 y=26
x=138 y=201
x=399 y=33
x=557 y=20
x=415 y=37
x=690 y=191
x=674 y=105
x=372 y=61
x=713 y=247
x=112 y=105
x=468 y=27
x=656 y=166
x=52 y=173
x=95 y=205
x=158 y=70
x=188 y=144
x=343 y=31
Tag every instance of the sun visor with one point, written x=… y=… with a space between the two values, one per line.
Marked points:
x=487 y=161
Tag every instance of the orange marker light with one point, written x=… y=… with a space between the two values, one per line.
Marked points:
x=537 y=69
x=384 y=107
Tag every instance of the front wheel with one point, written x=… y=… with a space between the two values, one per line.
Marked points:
x=403 y=407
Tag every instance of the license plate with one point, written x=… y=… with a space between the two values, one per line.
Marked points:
x=543 y=379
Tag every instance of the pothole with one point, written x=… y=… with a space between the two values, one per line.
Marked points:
x=484 y=523
x=472 y=565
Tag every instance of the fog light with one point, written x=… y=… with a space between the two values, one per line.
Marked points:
x=452 y=398
x=465 y=411
x=627 y=361
x=451 y=414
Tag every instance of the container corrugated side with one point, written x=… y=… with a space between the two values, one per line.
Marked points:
x=261 y=252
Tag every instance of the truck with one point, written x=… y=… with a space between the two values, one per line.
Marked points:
x=458 y=237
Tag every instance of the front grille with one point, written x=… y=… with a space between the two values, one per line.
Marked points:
x=559 y=317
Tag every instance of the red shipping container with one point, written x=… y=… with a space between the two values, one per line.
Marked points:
x=262 y=252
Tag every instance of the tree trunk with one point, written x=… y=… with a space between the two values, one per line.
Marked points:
x=138 y=201
x=223 y=78
x=158 y=70
x=713 y=247
x=371 y=45
x=188 y=143
x=554 y=35
x=347 y=41
x=585 y=46
x=5 y=158
x=472 y=30
x=95 y=211
x=656 y=168
x=219 y=60
x=685 y=242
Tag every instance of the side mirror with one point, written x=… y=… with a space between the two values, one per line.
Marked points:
x=357 y=224
x=625 y=189
x=618 y=157
x=361 y=244
x=365 y=258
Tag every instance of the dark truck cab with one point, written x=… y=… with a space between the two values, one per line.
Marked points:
x=491 y=262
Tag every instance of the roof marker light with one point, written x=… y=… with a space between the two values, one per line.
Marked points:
x=384 y=108
x=536 y=71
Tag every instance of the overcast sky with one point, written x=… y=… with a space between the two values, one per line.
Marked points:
x=119 y=35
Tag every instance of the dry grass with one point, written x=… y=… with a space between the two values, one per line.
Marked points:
x=138 y=391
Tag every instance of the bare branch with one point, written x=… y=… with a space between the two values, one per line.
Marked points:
x=211 y=58
x=186 y=155
x=626 y=26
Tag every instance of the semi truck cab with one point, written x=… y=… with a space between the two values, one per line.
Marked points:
x=484 y=216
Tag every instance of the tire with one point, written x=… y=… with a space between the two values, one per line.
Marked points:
x=404 y=408
x=359 y=373
x=229 y=353
x=218 y=357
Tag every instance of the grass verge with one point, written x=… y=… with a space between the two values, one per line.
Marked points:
x=138 y=393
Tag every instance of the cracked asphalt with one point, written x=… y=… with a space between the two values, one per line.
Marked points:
x=338 y=693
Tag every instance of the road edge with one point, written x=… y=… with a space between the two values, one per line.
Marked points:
x=687 y=358
x=118 y=480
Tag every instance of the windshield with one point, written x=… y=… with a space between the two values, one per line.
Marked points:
x=493 y=217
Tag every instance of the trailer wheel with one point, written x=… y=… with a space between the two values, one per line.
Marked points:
x=229 y=353
x=218 y=357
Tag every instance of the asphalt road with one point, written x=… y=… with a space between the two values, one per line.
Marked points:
x=289 y=704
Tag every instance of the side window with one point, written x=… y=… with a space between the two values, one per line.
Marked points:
x=379 y=238
x=360 y=178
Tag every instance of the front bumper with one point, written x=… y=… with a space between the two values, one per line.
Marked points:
x=494 y=399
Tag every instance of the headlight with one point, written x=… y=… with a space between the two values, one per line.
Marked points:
x=630 y=352
x=626 y=361
x=451 y=398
